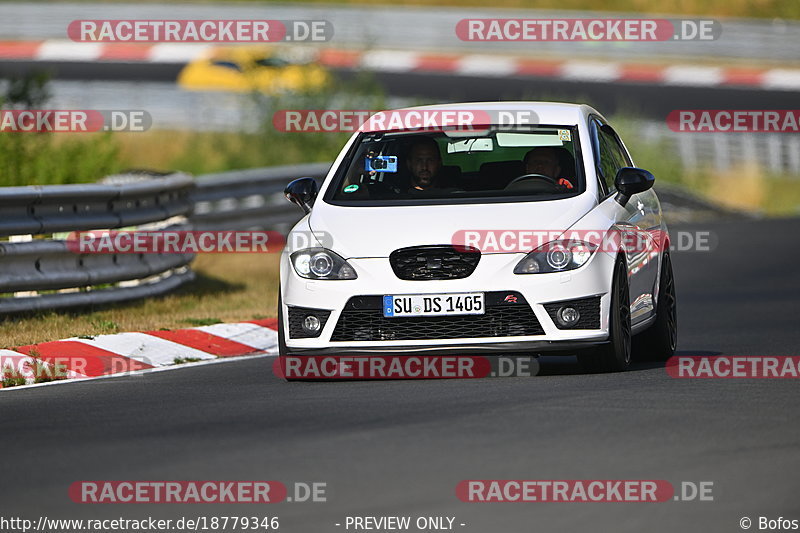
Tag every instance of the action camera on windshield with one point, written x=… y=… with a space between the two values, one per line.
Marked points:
x=381 y=163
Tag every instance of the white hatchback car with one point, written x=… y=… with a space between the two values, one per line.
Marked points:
x=513 y=236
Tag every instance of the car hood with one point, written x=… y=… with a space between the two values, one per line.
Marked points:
x=357 y=232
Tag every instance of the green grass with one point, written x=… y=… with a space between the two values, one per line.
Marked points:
x=184 y=360
x=202 y=321
x=227 y=288
x=104 y=326
x=32 y=158
x=47 y=159
x=58 y=158
x=42 y=373
x=11 y=377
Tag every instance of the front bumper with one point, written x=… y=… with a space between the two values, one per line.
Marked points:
x=483 y=348
x=493 y=274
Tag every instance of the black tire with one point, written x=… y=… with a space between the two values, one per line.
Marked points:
x=658 y=342
x=614 y=356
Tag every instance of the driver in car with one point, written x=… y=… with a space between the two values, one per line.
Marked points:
x=544 y=160
x=424 y=165
x=424 y=162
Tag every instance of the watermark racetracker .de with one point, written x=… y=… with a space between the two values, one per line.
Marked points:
x=380 y=366
x=587 y=29
x=74 y=120
x=201 y=31
x=375 y=120
x=734 y=120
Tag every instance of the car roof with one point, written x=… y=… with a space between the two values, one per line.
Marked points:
x=547 y=112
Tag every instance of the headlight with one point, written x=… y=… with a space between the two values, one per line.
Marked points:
x=319 y=263
x=556 y=256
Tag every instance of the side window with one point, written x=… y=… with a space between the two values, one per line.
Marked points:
x=612 y=155
x=226 y=64
x=594 y=127
x=617 y=145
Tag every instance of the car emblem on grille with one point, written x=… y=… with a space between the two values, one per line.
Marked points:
x=510 y=298
x=434 y=262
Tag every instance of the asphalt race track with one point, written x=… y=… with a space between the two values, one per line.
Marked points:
x=641 y=99
x=400 y=447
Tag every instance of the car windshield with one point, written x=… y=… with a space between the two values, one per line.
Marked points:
x=496 y=164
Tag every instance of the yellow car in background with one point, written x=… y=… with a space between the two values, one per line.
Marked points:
x=255 y=68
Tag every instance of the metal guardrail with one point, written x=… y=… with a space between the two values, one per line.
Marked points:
x=249 y=199
x=777 y=153
x=38 y=271
x=33 y=210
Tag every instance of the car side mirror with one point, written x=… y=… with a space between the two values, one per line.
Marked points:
x=303 y=192
x=630 y=181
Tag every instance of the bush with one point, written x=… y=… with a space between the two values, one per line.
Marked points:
x=31 y=158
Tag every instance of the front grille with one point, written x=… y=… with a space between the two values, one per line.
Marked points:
x=507 y=315
x=589 y=308
x=296 y=317
x=434 y=262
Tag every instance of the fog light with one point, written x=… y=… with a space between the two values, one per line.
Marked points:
x=311 y=324
x=568 y=316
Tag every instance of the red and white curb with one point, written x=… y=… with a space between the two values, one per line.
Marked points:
x=412 y=61
x=125 y=353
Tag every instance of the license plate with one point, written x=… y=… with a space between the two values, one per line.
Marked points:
x=466 y=303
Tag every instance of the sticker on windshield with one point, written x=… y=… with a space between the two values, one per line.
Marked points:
x=351 y=188
x=564 y=135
